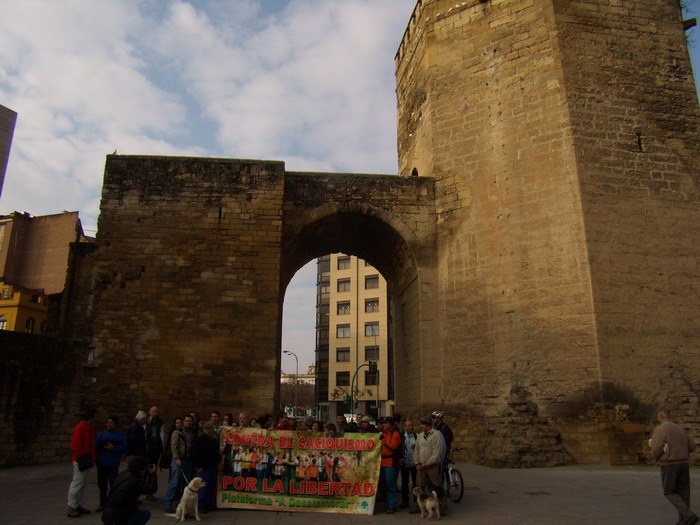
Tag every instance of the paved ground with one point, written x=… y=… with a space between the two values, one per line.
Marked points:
x=571 y=495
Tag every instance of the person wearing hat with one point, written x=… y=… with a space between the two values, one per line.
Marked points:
x=438 y=418
x=205 y=457
x=429 y=455
x=391 y=443
x=366 y=425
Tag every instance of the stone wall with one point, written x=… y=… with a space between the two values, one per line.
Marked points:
x=561 y=137
x=183 y=301
x=42 y=386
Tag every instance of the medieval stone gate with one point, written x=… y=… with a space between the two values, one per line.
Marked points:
x=543 y=262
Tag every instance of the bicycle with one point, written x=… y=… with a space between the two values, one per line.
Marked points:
x=454 y=482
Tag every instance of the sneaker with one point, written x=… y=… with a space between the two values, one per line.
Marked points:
x=390 y=510
x=83 y=510
x=73 y=513
x=151 y=497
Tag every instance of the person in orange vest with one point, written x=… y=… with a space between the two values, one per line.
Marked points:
x=391 y=443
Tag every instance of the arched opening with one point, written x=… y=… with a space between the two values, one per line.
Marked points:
x=380 y=245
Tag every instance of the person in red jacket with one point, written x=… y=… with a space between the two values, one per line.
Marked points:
x=391 y=443
x=84 y=456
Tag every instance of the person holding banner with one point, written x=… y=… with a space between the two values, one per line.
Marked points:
x=205 y=457
x=391 y=442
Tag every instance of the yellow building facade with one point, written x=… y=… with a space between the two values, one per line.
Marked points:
x=22 y=309
x=358 y=335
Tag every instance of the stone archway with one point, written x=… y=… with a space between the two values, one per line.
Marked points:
x=192 y=259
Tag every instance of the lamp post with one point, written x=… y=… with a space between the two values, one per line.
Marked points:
x=372 y=365
x=296 y=380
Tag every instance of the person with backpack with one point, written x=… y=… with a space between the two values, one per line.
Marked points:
x=391 y=445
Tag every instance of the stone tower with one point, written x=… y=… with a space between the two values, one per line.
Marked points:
x=563 y=139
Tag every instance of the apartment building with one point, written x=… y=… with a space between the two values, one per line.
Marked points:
x=352 y=339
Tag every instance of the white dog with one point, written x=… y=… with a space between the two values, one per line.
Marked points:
x=188 y=503
x=428 y=503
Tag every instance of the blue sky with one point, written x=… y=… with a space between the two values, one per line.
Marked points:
x=309 y=82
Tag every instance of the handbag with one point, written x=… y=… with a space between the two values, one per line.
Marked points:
x=85 y=462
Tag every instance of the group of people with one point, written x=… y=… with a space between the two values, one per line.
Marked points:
x=105 y=450
x=191 y=448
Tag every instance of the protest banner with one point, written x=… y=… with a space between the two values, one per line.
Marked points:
x=286 y=470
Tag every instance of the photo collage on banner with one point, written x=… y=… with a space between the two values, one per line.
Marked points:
x=298 y=471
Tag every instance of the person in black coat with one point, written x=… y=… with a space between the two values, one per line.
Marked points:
x=136 y=436
x=205 y=458
x=122 y=507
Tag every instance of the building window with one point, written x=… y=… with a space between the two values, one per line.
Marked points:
x=371 y=305
x=322 y=336
x=322 y=315
x=343 y=285
x=371 y=281
x=342 y=331
x=344 y=308
x=343 y=263
x=372 y=353
x=342 y=379
x=371 y=329
x=34 y=299
x=42 y=328
x=3 y=322
x=371 y=378
x=342 y=354
x=29 y=326
x=5 y=293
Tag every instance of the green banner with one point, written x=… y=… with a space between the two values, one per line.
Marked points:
x=298 y=471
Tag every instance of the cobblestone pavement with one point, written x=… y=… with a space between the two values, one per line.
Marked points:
x=571 y=495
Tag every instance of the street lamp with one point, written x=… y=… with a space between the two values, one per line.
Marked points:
x=296 y=379
x=372 y=365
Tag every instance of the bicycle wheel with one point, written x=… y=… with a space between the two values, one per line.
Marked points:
x=455 y=489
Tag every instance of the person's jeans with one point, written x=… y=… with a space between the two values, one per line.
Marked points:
x=179 y=478
x=207 y=495
x=77 y=487
x=388 y=479
x=105 y=477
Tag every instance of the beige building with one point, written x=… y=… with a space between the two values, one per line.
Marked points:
x=352 y=316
